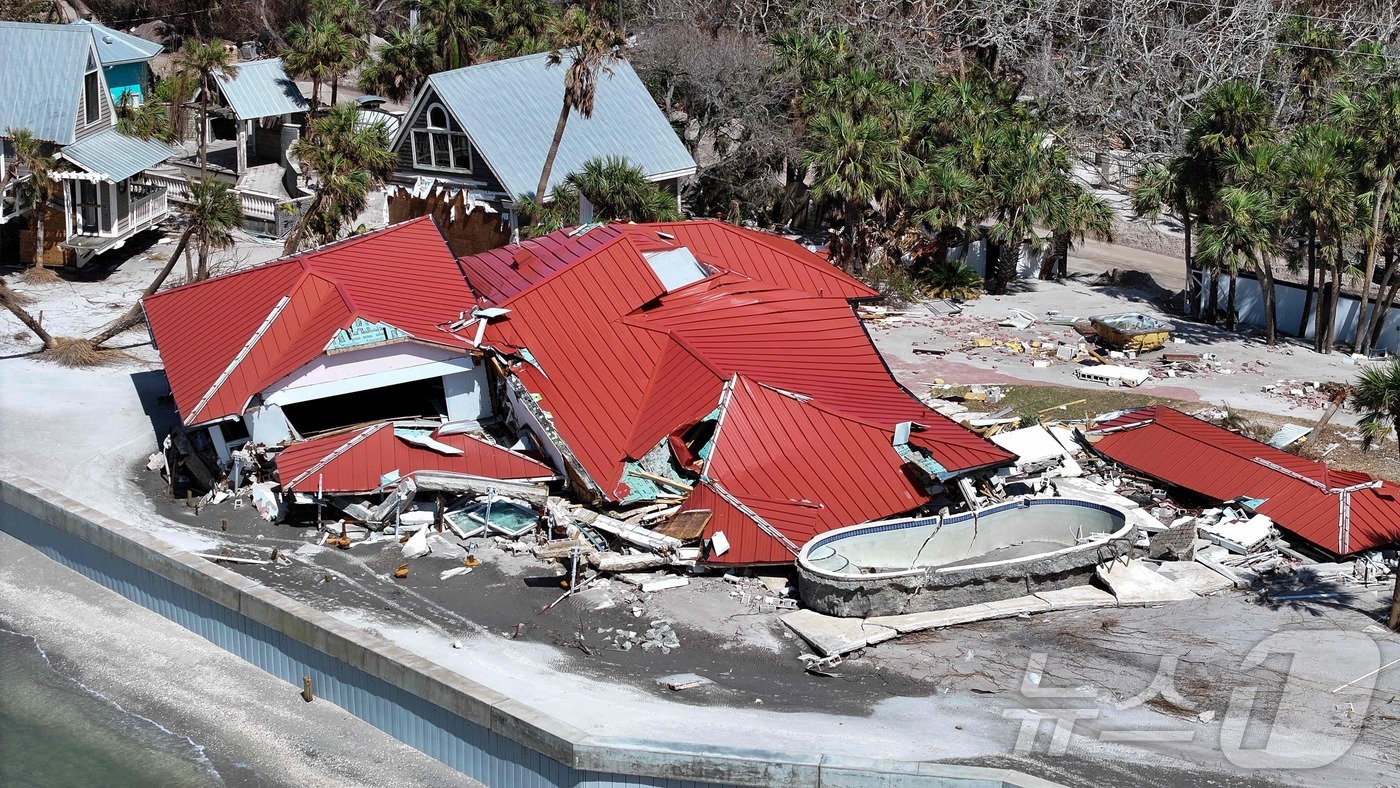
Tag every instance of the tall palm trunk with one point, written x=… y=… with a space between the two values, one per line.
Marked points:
x=1312 y=283
x=204 y=131
x=1381 y=305
x=335 y=89
x=1192 y=292
x=1230 y=300
x=1265 y=270
x=8 y=300
x=41 y=211
x=1385 y=296
x=1378 y=212
x=1212 y=295
x=542 y=189
x=293 y=243
x=135 y=314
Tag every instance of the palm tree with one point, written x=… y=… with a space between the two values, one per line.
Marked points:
x=459 y=26
x=211 y=214
x=1373 y=118
x=947 y=200
x=403 y=62
x=1321 y=199
x=204 y=63
x=1176 y=186
x=592 y=48
x=1377 y=395
x=316 y=50
x=854 y=163
x=1027 y=171
x=10 y=301
x=620 y=192
x=1073 y=214
x=35 y=191
x=148 y=120
x=345 y=161
x=1244 y=233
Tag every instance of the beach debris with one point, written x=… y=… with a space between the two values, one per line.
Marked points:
x=417 y=545
x=683 y=681
x=401 y=572
x=662 y=585
x=457 y=572
x=265 y=501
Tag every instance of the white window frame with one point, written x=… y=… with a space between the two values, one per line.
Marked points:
x=440 y=135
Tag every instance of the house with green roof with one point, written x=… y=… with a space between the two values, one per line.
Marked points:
x=486 y=129
x=56 y=88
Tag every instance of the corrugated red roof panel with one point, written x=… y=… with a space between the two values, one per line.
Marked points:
x=225 y=339
x=1212 y=461
x=801 y=468
x=353 y=462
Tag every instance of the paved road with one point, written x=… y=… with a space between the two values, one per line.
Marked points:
x=1096 y=257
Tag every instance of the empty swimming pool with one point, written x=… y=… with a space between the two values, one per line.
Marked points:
x=932 y=563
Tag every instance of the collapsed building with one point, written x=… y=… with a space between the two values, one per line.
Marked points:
x=716 y=370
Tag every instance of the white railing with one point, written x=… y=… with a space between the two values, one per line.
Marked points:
x=145 y=210
x=176 y=187
x=257 y=205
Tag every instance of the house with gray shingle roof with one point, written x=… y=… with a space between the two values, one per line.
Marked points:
x=486 y=130
x=56 y=88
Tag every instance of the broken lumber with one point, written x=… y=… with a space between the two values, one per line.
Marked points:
x=460 y=484
x=628 y=532
x=615 y=562
x=659 y=479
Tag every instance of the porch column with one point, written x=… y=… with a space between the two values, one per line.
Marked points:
x=68 y=188
x=242 y=145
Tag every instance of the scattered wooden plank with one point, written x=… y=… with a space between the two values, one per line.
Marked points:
x=686 y=526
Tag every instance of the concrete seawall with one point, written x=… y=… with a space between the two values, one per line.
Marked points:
x=472 y=728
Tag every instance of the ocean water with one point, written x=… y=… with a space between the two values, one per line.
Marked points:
x=56 y=732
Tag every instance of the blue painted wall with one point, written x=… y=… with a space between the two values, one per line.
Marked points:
x=124 y=77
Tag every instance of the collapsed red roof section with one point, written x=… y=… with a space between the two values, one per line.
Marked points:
x=227 y=338
x=353 y=462
x=619 y=363
x=501 y=274
x=1212 y=461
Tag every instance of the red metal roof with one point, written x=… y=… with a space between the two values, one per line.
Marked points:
x=619 y=363
x=802 y=469
x=353 y=462
x=1212 y=461
x=227 y=338
x=500 y=274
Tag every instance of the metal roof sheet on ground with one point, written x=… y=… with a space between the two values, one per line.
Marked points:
x=1216 y=463
x=803 y=469
x=111 y=153
x=228 y=338
x=262 y=89
x=354 y=461
x=43 y=68
x=115 y=47
x=510 y=109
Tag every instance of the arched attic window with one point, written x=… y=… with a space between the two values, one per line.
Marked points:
x=439 y=148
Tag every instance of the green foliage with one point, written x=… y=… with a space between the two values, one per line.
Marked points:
x=953 y=280
x=345 y=161
x=401 y=64
x=1377 y=395
x=620 y=192
x=148 y=120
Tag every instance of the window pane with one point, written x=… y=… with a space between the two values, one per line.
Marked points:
x=423 y=148
x=94 y=108
x=437 y=117
x=461 y=153
x=442 y=150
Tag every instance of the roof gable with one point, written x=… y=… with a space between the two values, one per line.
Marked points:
x=43 y=68
x=510 y=108
x=115 y=47
x=227 y=338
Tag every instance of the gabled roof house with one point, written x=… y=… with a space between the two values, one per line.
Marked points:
x=486 y=129
x=126 y=61
x=55 y=86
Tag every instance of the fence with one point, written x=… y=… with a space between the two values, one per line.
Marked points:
x=1288 y=310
